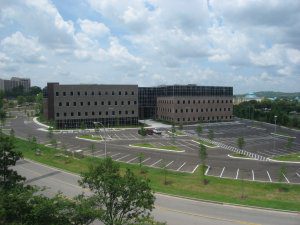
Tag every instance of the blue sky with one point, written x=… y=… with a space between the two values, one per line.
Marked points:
x=250 y=45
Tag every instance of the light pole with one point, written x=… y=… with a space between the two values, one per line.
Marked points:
x=275 y=117
x=95 y=123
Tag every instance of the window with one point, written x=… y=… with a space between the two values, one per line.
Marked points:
x=57 y=93
x=211 y=110
x=65 y=114
x=217 y=101
x=120 y=93
x=178 y=119
x=213 y=101
x=113 y=113
x=183 y=102
x=72 y=114
x=189 y=102
x=60 y=104
x=86 y=114
x=81 y=103
x=128 y=102
x=122 y=102
x=120 y=112
x=230 y=101
x=126 y=112
x=79 y=113
x=106 y=113
x=100 y=113
x=178 y=102
x=106 y=93
x=102 y=103
x=175 y=110
x=112 y=93
x=194 y=101
x=192 y=110
x=132 y=112
x=208 y=101
x=216 y=109
x=78 y=93
x=224 y=109
x=220 y=109
x=89 y=103
x=116 y=102
x=203 y=101
x=135 y=102
x=93 y=113
x=95 y=103
x=226 y=101
x=186 y=110
x=181 y=110
x=228 y=109
x=99 y=93
x=74 y=103
x=222 y=101
x=108 y=102
x=126 y=93
x=57 y=114
x=93 y=93
x=132 y=93
x=64 y=93
x=201 y=110
x=85 y=93
x=71 y=93
x=67 y=104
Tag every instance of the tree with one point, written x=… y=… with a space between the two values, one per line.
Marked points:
x=2 y=117
x=241 y=142
x=211 y=134
x=50 y=133
x=203 y=156
x=289 y=143
x=141 y=158
x=199 y=129
x=173 y=132
x=20 y=100
x=119 y=199
x=8 y=158
x=92 y=148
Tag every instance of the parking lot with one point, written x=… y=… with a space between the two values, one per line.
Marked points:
x=260 y=144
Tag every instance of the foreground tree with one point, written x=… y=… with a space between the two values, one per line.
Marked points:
x=119 y=199
x=199 y=129
x=241 y=142
x=211 y=134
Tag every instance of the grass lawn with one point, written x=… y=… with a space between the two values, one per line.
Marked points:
x=91 y=137
x=295 y=157
x=208 y=144
x=165 y=147
x=184 y=184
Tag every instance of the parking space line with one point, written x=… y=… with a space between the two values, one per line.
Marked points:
x=129 y=161
x=156 y=162
x=207 y=170
x=222 y=171
x=237 y=173
x=298 y=174
x=181 y=166
x=286 y=178
x=122 y=157
x=252 y=175
x=169 y=164
x=269 y=176
x=195 y=168
x=146 y=160
x=115 y=155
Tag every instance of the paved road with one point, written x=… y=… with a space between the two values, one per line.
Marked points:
x=175 y=211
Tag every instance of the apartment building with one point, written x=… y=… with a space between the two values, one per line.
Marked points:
x=8 y=85
x=72 y=106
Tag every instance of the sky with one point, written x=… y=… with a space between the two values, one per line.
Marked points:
x=251 y=45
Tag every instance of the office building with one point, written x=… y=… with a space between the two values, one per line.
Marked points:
x=8 y=85
x=74 y=106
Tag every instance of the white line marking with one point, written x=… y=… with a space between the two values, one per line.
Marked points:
x=269 y=176
x=207 y=170
x=195 y=168
x=103 y=154
x=129 y=161
x=115 y=155
x=252 y=175
x=181 y=166
x=122 y=157
x=298 y=174
x=286 y=178
x=222 y=171
x=169 y=164
x=146 y=160
x=237 y=173
x=156 y=162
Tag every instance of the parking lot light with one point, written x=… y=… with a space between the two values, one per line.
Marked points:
x=95 y=123
x=274 y=144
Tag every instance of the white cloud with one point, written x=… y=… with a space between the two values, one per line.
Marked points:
x=93 y=28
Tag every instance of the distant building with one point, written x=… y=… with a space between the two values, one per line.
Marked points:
x=8 y=85
x=248 y=97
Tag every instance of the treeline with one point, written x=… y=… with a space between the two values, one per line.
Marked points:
x=23 y=96
x=287 y=111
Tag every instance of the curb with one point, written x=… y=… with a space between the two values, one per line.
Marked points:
x=280 y=161
x=236 y=157
x=86 y=139
x=204 y=144
x=157 y=149
x=39 y=123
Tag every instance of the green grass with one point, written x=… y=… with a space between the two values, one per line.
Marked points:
x=295 y=157
x=184 y=184
x=206 y=143
x=91 y=137
x=165 y=147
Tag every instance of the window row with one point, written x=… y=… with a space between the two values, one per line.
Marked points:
x=100 y=113
x=194 y=119
x=92 y=93
x=97 y=103
x=193 y=101
x=194 y=110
